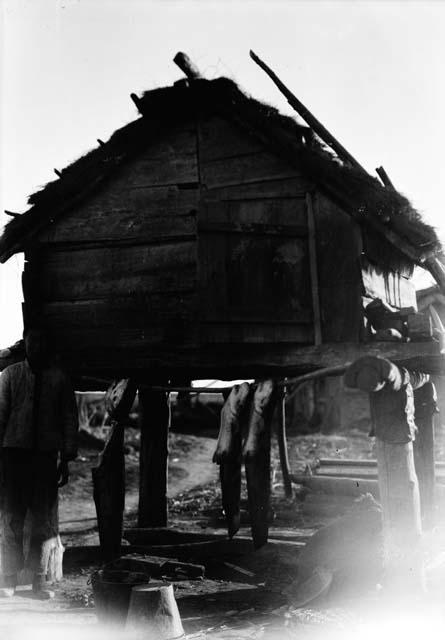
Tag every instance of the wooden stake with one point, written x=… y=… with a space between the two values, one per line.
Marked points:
x=109 y=475
x=154 y=408
x=313 y=270
x=392 y=410
x=385 y=178
x=12 y=214
x=304 y=112
x=58 y=173
x=109 y=493
x=282 y=446
x=137 y=101
x=186 y=65
x=402 y=528
x=425 y=408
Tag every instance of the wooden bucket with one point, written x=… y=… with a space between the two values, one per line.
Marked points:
x=112 y=592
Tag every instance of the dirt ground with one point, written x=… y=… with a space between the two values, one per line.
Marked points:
x=218 y=607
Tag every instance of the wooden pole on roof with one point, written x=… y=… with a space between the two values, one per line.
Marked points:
x=187 y=66
x=384 y=177
x=304 y=112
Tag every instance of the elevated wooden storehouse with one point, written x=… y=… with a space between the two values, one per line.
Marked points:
x=215 y=237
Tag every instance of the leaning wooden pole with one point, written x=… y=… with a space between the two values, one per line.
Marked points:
x=154 y=415
x=391 y=392
x=282 y=445
x=304 y=112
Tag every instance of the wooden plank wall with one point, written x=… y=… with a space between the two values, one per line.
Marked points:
x=199 y=244
x=339 y=248
x=120 y=271
x=253 y=249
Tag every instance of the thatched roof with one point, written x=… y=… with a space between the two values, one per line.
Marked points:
x=382 y=213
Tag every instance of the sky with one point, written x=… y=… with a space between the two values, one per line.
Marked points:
x=372 y=72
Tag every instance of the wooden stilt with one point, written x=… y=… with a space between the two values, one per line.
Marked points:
x=109 y=493
x=425 y=408
x=402 y=528
x=392 y=408
x=154 y=408
x=282 y=446
x=109 y=475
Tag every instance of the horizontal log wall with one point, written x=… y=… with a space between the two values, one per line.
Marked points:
x=119 y=272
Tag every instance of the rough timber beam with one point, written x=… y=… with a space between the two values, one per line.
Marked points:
x=187 y=66
x=304 y=112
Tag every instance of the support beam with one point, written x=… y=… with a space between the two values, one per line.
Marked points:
x=154 y=408
x=109 y=475
x=425 y=405
x=391 y=392
x=109 y=493
x=315 y=288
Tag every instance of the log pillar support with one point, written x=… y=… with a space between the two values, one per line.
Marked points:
x=391 y=392
x=154 y=415
x=425 y=403
x=109 y=475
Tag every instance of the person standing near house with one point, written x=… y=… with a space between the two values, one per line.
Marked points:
x=38 y=439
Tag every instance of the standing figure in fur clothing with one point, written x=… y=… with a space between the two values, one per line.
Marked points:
x=38 y=438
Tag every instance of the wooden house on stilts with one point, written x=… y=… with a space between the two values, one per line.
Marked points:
x=214 y=237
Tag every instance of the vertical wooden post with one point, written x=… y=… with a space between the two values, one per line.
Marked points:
x=154 y=413
x=402 y=528
x=313 y=269
x=391 y=392
x=425 y=408
x=282 y=445
x=109 y=492
x=109 y=475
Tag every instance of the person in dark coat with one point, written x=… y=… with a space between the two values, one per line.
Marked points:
x=38 y=439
